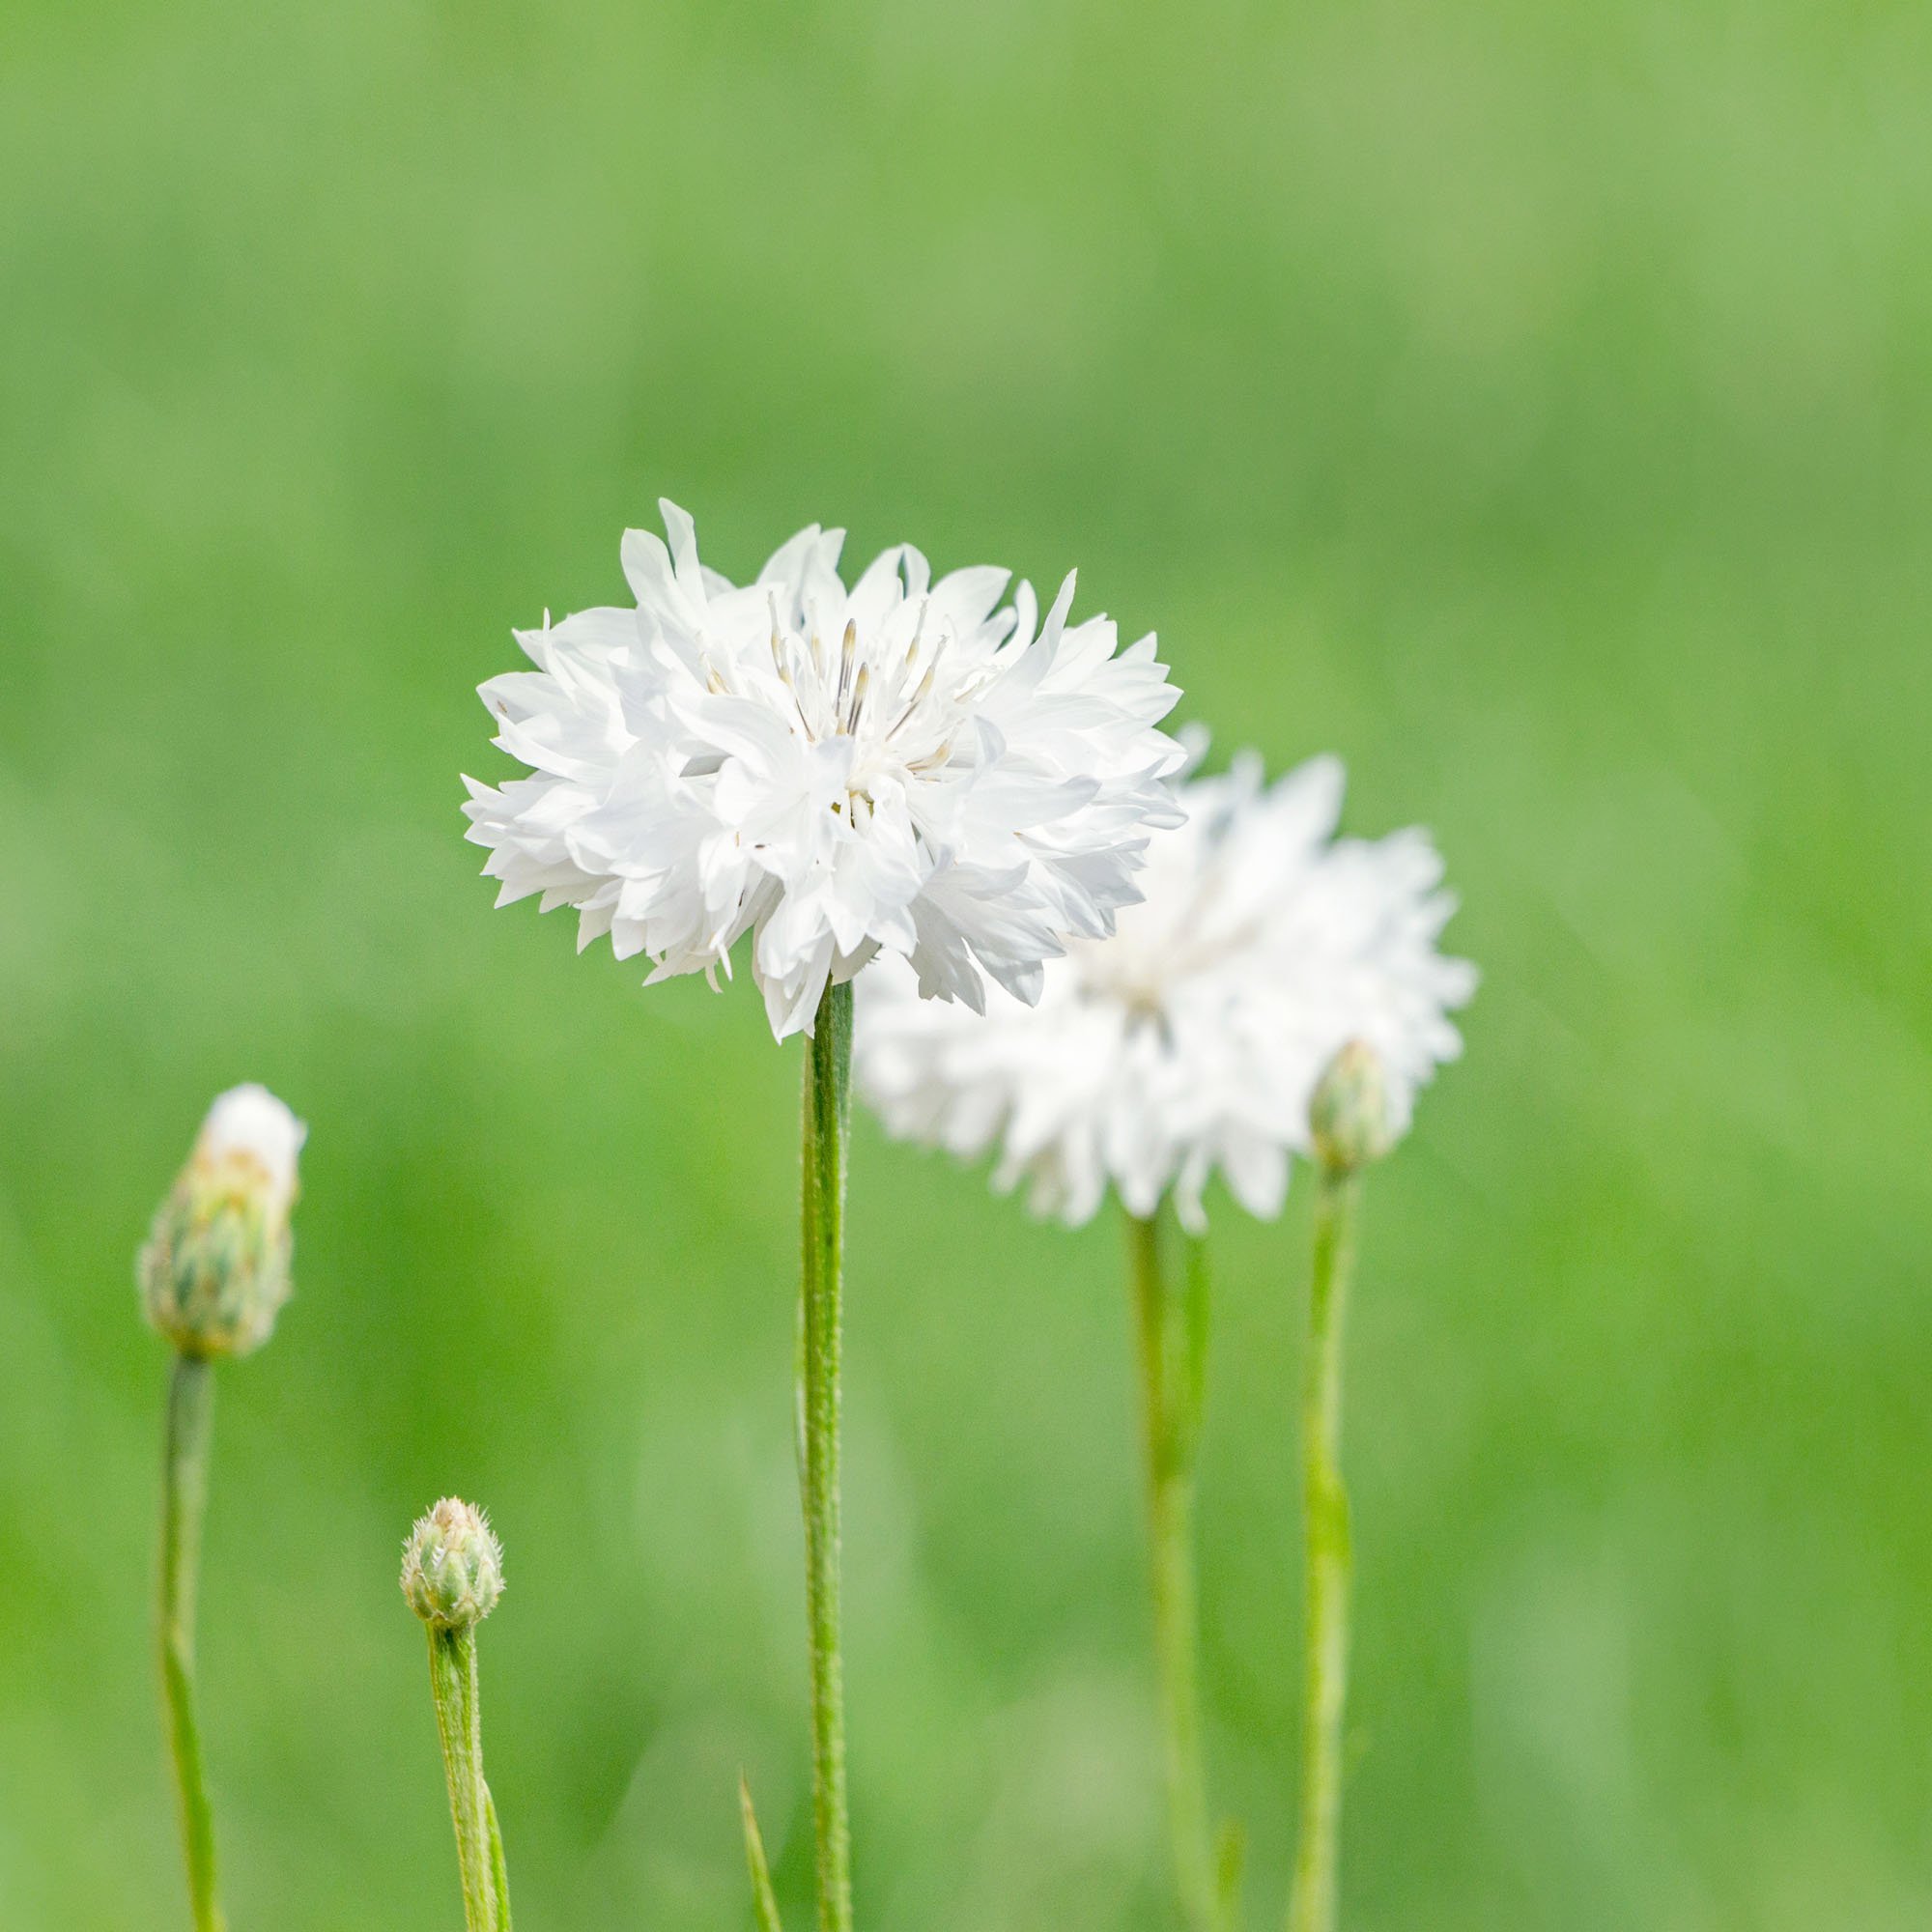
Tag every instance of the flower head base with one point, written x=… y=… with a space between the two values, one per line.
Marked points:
x=1349 y=1117
x=214 y=1273
x=900 y=767
x=452 y=1566
x=1192 y=1040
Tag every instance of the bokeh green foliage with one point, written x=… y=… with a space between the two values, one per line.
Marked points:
x=1529 y=402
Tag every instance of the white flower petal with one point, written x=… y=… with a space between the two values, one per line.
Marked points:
x=250 y=1121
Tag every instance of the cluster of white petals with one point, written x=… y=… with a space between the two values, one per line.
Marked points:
x=903 y=767
x=249 y=1123
x=1193 y=1038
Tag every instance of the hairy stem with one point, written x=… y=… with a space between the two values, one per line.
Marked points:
x=459 y=1724
x=827 y=1116
x=1312 y=1906
x=1172 y=1370
x=183 y=1504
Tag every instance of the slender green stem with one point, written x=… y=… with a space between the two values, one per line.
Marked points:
x=827 y=1117
x=183 y=1504
x=1329 y=1561
x=459 y=1724
x=1171 y=1393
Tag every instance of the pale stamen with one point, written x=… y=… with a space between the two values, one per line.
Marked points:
x=846 y=655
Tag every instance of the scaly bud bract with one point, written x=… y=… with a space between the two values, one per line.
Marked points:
x=1349 y=1115
x=452 y=1566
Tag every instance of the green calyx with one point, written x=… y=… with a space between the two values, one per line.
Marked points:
x=215 y=1271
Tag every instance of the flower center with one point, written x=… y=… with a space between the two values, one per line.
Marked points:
x=1176 y=933
x=899 y=705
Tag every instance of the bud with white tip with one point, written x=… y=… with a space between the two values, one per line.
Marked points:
x=1350 y=1116
x=214 y=1273
x=452 y=1566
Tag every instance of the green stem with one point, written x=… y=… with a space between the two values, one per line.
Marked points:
x=459 y=1724
x=827 y=1118
x=1328 y=1559
x=1170 y=1392
x=183 y=1504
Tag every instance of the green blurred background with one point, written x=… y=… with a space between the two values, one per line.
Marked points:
x=1530 y=403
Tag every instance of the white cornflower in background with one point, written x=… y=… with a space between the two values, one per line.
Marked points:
x=902 y=767
x=1194 y=1036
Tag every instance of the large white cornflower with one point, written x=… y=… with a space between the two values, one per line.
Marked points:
x=1194 y=1036
x=902 y=767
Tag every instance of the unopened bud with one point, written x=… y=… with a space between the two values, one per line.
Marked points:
x=214 y=1273
x=452 y=1566
x=1349 y=1115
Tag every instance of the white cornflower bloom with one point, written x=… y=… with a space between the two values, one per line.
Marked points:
x=901 y=767
x=1194 y=1036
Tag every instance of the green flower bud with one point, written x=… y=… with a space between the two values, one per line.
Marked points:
x=1349 y=1115
x=214 y=1273
x=452 y=1566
